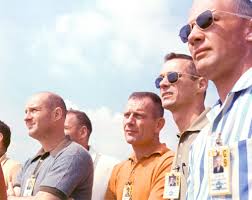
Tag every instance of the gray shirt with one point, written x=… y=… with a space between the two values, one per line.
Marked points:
x=67 y=171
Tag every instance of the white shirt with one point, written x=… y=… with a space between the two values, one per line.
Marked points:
x=103 y=166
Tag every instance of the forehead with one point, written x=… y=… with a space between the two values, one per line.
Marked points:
x=71 y=118
x=38 y=100
x=136 y=104
x=200 y=6
x=175 y=65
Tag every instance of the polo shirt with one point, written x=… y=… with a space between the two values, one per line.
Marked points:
x=180 y=163
x=146 y=175
x=10 y=169
x=66 y=171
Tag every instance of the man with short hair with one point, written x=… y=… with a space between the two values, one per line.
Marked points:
x=219 y=36
x=183 y=92
x=62 y=169
x=79 y=127
x=142 y=176
x=10 y=167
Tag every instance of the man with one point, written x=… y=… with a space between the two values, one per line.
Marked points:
x=219 y=36
x=79 y=127
x=61 y=169
x=2 y=186
x=142 y=176
x=183 y=93
x=10 y=167
x=218 y=167
x=172 y=181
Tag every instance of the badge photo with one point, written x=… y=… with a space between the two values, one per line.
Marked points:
x=219 y=171
x=172 y=185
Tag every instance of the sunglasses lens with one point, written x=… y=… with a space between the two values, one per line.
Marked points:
x=157 y=82
x=172 y=77
x=205 y=19
x=184 y=33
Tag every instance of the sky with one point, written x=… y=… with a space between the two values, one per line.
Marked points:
x=93 y=53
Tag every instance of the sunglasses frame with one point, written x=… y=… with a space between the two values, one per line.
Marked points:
x=178 y=75
x=186 y=30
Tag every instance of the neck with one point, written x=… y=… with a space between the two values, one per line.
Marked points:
x=2 y=152
x=142 y=150
x=48 y=144
x=225 y=83
x=184 y=121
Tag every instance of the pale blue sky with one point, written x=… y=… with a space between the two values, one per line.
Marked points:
x=93 y=53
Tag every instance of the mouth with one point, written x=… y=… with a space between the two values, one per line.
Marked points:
x=167 y=95
x=29 y=125
x=130 y=132
x=199 y=53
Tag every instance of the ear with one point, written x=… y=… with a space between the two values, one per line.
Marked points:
x=160 y=124
x=1 y=137
x=249 y=31
x=202 y=85
x=57 y=114
x=83 y=132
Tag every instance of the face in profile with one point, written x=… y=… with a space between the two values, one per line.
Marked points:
x=72 y=127
x=220 y=46
x=38 y=116
x=182 y=92
x=139 y=122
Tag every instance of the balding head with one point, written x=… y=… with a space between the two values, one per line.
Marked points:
x=45 y=114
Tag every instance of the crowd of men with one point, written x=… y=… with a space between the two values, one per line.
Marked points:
x=212 y=159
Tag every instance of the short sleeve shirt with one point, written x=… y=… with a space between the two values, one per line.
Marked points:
x=67 y=171
x=147 y=176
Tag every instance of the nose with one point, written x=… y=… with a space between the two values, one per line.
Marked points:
x=130 y=119
x=27 y=116
x=195 y=36
x=164 y=83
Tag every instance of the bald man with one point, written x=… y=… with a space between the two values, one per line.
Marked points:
x=62 y=169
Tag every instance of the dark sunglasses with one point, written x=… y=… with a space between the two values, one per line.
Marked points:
x=203 y=21
x=172 y=77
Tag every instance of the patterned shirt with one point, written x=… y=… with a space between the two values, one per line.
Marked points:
x=233 y=119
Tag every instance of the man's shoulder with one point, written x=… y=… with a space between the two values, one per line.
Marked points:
x=12 y=163
x=73 y=149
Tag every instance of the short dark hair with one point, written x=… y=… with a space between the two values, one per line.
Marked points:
x=5 y=130
x=243 y=7
x=191 y=68
x=83 y=119
x=158 y=109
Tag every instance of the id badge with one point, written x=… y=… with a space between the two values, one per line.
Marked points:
x=127 y=192
x=219 y=171
x=29 y=186
x=172 y=185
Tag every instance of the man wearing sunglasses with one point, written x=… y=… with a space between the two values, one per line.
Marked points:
x=183 y=93
x=219 y=36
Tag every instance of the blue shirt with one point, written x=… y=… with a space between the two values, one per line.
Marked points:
x=233 y=119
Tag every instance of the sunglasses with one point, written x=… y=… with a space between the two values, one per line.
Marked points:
x=203 y=21
x=172 y=77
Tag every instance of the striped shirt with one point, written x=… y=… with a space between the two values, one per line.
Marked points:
x=233 y=119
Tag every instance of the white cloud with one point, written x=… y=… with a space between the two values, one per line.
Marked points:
x=128 y=31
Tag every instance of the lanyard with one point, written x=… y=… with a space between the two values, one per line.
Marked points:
x=41 y=159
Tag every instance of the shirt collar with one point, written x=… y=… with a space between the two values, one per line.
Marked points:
x=161 y=149
x=198 y=123
x=41 y=153
x=3 y=158
x=244 y=82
